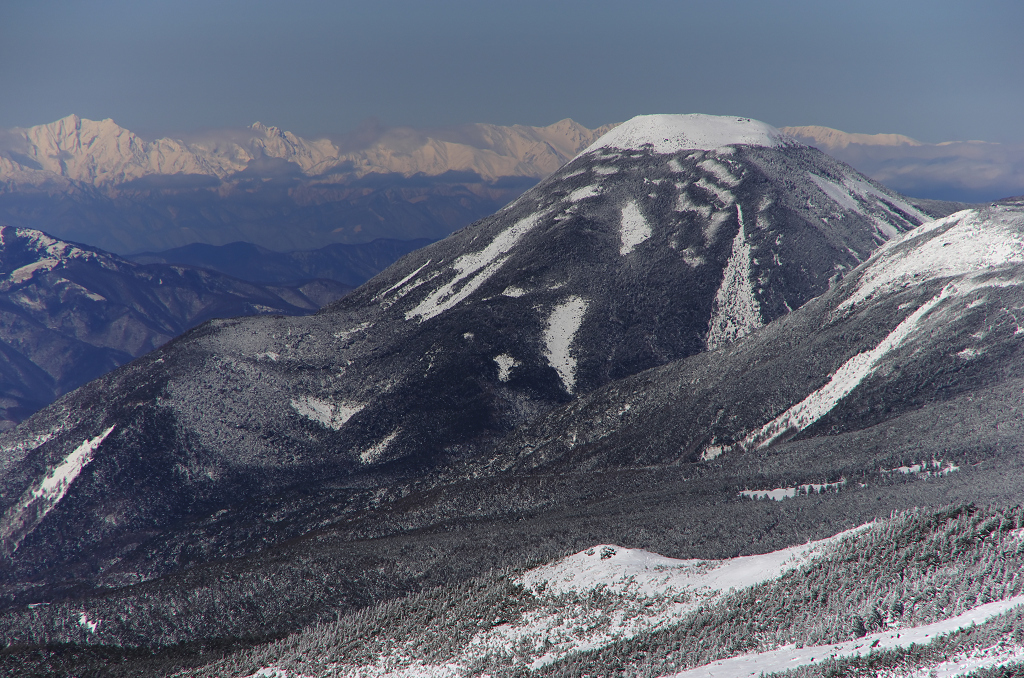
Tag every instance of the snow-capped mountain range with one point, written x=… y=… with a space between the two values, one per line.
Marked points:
x=102 y=154
x=98 y=183
x=971 y=171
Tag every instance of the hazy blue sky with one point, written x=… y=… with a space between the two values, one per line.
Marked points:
x=935 y=70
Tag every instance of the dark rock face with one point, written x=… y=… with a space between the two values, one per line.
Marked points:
x=626 y=259
x=70 y=313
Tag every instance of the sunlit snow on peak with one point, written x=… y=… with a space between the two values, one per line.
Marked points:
x=672 y=133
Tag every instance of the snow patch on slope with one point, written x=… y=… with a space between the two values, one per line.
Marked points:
x=591 y=191
x=561 y=329
x=505 y=364
x=473 y=270
x=329 y=414
x=720 y=172
x=633 y=228
x=26 y=514
x=671 y=133
x=780 y=493
x=736 y=312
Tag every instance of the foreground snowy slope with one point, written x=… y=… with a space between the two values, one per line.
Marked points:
x=919 y=589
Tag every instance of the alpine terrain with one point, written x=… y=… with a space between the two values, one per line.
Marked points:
x=96 y=182
x=71 y=313
x=470 y=464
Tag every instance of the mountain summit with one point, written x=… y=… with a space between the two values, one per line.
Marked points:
x=673 y=133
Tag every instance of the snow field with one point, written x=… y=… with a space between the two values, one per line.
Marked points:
x=562 y=326
x=473 y=270
x=633 y=228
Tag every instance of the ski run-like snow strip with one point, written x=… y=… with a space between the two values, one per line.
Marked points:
x=401 y=282
x=735 y=312
x=473 y=270
x=633 y=228
x=373 y=454
x=26 y=514
x=848 y=377
x=790 y=657
x=562 y=325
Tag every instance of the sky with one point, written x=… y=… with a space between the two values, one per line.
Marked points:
x=935 y=70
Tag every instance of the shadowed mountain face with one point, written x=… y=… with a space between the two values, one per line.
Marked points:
x=672 y=235
x=70 y=313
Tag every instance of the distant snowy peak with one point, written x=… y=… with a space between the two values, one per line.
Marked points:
x=104 y=154
x=672 y=133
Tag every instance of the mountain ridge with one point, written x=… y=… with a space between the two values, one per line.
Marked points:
x=105 y=155
x=71 y=312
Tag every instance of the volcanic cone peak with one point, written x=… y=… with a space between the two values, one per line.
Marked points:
x=671 y=133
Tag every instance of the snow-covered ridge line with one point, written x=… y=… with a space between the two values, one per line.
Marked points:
x=971 y=241
x=672 y=133
x=39 y=499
